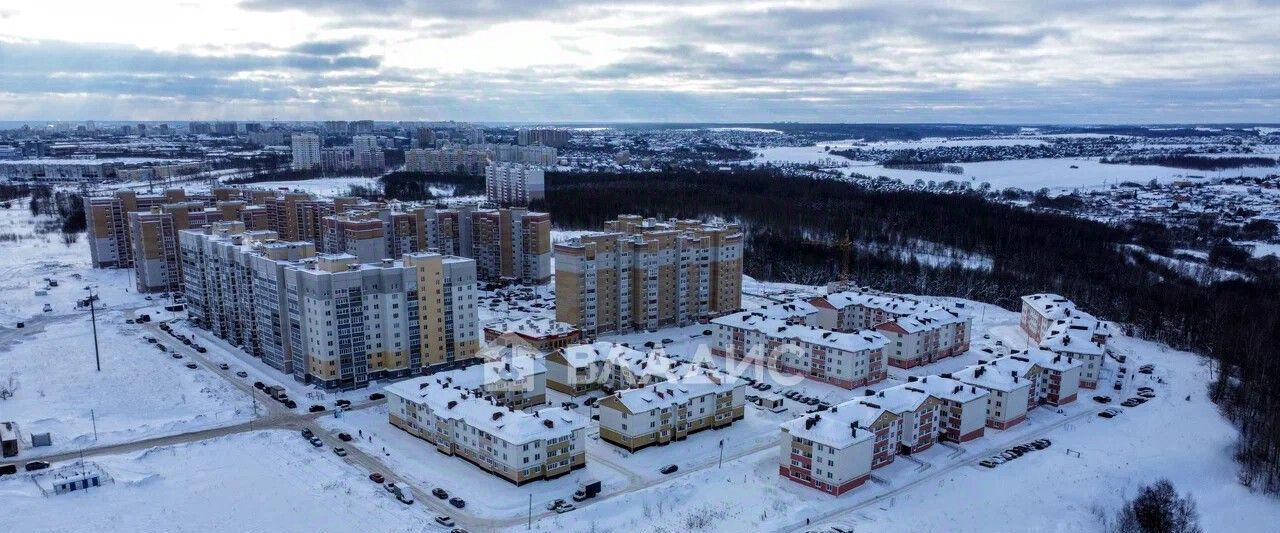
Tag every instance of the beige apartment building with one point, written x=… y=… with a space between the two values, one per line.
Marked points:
x=643 y=274
x=517 y=446
x=672 y=410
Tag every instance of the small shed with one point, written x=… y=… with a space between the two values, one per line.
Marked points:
x=41 y=439
x=73 y=477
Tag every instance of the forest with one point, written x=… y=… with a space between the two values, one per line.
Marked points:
x=792 y=226
x=1192 y=162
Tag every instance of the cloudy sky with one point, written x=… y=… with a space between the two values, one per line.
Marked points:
x=1078 y=61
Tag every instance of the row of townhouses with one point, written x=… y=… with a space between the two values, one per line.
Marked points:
x=127 y=230
x=642 y=274
x=847 y=360
x=330 y=319
x=919 y=332
x=1059 y=326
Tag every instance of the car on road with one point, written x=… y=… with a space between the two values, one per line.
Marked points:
x=457 y=502
x=556 y=504
x=445 y=521
x=377 y=396
x=307 y=434
x=405 y=496
x=669 y=469
x=440 y=493
x=36 y=465
x=340 y=451
x=1102 y=399
x=988 y=463
x=242 y=374
x=1118 y=385
x=200 y=349
x=565 y=508
x=344 y=437
x=343 y=403
x=316 y=408
x=316 y=442
x=376 y=477
x=192 y=366
x=224 y=366
x=176 y=355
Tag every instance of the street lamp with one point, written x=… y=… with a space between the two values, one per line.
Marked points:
x=93 y=316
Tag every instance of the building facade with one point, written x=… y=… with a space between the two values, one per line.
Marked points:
x=644 y=275
x=514 y=183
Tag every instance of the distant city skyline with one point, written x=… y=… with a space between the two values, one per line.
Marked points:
x=567 y=61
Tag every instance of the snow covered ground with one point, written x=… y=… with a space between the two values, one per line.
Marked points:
x=1027 y=174
x=337 y=186
x=259 y=481
x=140 y=393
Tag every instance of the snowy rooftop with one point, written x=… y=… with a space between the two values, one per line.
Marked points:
x=1074 y=341
x=516 y=368
x=583 y=355
x=950 y=389
x=898 y=305
x=516 y=427
x=839 y=427
x=930 y=319
x=697 y=382
x=534 y=326
x=780 y=329
x=1003 y=374
x=898 y=399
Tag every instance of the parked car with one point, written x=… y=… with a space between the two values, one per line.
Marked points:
x=36 y=465
x=224 y=366
x=440 y=493
x=1118 y=385
x=315 y=408
x=405 y=496
x=340 y=451
x=377 y=396
x=344 y=437
x=307 y=434
x=669 y=469
x=988 y=463
x=8 y=470
x=200 y=349
x=242 y=374
x=175 y=355
x=457 y=502
x=192 y=366
x=343 y=403
x=391 y=486
x=259 y=385
x=555 y=504
x=316 y=442
x=565 y=508
x=291 y=404
x=1146 y=394
x=1107 y=413
x=444 y=520
x=376 y=477
x=1102 y=399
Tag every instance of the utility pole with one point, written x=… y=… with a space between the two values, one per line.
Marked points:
x=94 y=419
x=93 y=316
x=529 y=525
x=721 y=464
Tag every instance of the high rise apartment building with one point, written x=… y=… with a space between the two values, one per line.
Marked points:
x=646 y=274
x=330 y=319
x=451 y=160
x=514 y=183
x=367 y=153
x=306 y=151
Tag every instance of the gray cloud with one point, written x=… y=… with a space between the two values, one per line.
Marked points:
x=1001 y=60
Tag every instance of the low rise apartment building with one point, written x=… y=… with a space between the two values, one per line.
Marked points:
x=1013 y=388
x=540 y=333
x=926 y=337
x=835 y=451
x=517 y=446
x=1044 y=312
x=1078 y=342
x=847 y=360
x=644 y=275
x=963 y=414
x=581 y=368
x=671 y=410
x=518 y=381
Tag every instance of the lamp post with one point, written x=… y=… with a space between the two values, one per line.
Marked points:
x=93 y=316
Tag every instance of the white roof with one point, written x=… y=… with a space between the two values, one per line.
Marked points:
x=532 y=327
x=1052 y=361
x=516 y=368
x=1065 y=314
x=1072 y=341
x=780 y=329
x=839 y=427
x=950 y=389
x=1003 y=374
x=896 y=304
x=898 y=399
x=516 y=427
x=583 y=355
x=694 y=383
x=933 y=318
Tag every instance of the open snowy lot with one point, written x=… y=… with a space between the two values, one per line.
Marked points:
x=141 y=392
x=336 y=186
x=259 y=481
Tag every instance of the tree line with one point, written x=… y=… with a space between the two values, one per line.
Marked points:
x=792 y=227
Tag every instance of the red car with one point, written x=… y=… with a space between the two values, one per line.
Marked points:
x=376 y=477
